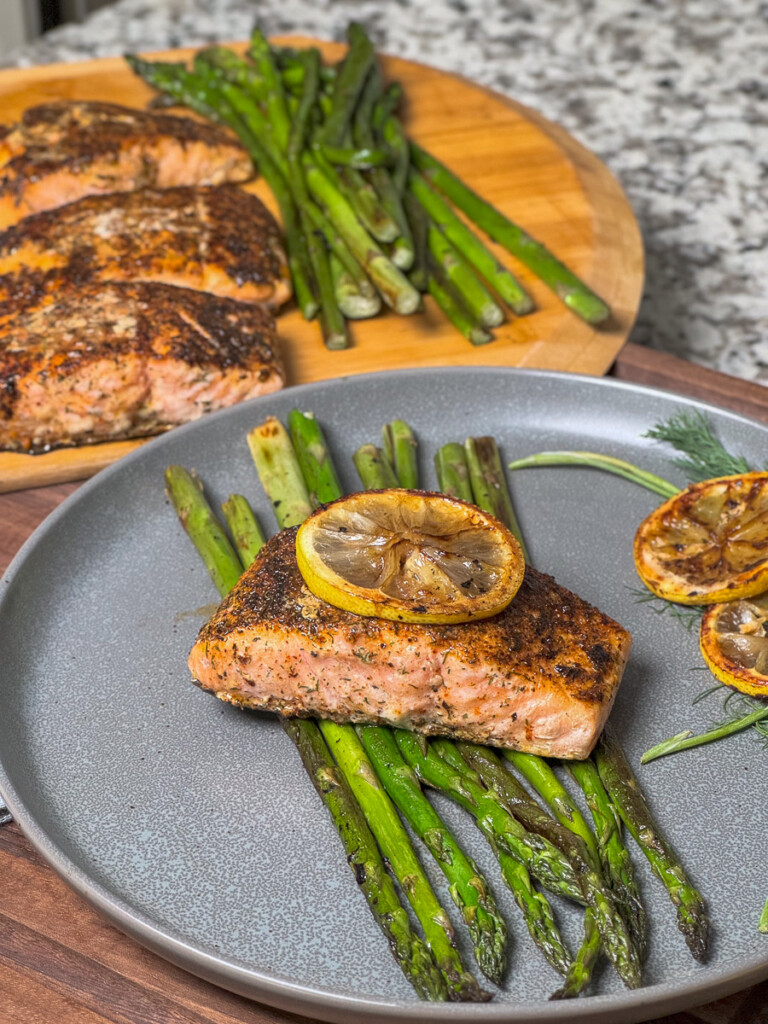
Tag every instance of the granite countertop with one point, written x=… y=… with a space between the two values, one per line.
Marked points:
x=671 y=94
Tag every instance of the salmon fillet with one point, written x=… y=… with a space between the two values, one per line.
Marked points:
x=118 y=360
x=540 y=677
x=217 y=239
x=60 y=152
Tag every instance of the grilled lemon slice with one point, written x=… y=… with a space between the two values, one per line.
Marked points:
x=412 y=556
x=709 y=543
x=734 y=642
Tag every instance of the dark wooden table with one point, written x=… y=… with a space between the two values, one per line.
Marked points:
x=61 y=963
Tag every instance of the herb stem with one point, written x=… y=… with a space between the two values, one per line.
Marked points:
x=686 y=740
x=597 y=461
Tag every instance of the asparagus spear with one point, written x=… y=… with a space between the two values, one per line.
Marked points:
x=363 y=856
x=535 y=907
x=419 y=225
x=277 y=110
x=400 y=448
x=456 y=313
x=393 y=286
x=280 y=475
x=185 y=491
x=519 y=802
x=314 y=457
x=290 y=139
x=332 y=322
x=762 y=924
x=544 y=861
x=580 y=972
x=354 y=301
x=393 y=135
x=411 y=953
x=385 y=106
x=475 y=296
x=360 y=297
x=614 y=856
x=503 y=282
x=614 y=933
x=452 y=471
x=232 y=67
x=347 y=87
x=402 y=249
x=565 y=284
x=374 y=468
x=348 y=84
x=361 y=196
x=244 y=527
x=468 y=888
x=624 y=790
x=398 y=852
x=489 y=484
x=361 y=158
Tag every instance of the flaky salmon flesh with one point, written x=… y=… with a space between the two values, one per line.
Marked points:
x=62 y=151
x=217 y=239
x=541 y=676
x=115 y=360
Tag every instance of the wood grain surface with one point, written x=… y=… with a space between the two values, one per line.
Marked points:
x=529 y=168
x=61 y=963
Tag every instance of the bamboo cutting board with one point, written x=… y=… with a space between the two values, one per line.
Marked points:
x=529 y=168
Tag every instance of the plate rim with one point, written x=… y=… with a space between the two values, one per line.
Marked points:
x=299 y=998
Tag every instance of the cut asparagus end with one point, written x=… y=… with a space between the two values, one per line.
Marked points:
x=279 y=472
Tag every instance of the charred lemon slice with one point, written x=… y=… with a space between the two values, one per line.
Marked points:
x=412 y=556
x=734 y=642
x=709 y=543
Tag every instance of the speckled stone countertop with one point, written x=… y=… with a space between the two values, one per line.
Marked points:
x=671 y=94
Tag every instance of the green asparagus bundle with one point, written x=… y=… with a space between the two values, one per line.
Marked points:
x=280 y=471
x=368 y=215
x=225 y=566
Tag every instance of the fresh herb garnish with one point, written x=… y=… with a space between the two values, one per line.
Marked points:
x=688 y=615
x=704 y=455
x=746 y=713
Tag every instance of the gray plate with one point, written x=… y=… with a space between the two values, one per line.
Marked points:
x=192 y=825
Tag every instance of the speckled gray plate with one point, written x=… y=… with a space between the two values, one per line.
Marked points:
x=192 y=825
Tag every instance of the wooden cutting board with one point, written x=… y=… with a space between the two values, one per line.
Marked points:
x=529 y=168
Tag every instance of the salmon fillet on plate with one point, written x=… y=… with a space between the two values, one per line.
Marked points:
x=541 y=676
x=218 y=239
x=59 y=152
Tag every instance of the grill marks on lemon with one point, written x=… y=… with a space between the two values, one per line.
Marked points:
x=708 y=544
x=734 y=642
x=411 y=556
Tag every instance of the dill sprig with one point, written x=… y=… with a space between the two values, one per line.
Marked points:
x=691 y=433
x=688 y=615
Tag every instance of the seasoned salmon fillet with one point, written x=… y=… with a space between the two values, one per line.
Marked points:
x=118 y=360
x=62 y=151
x=217 y=239
x=541 y=676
